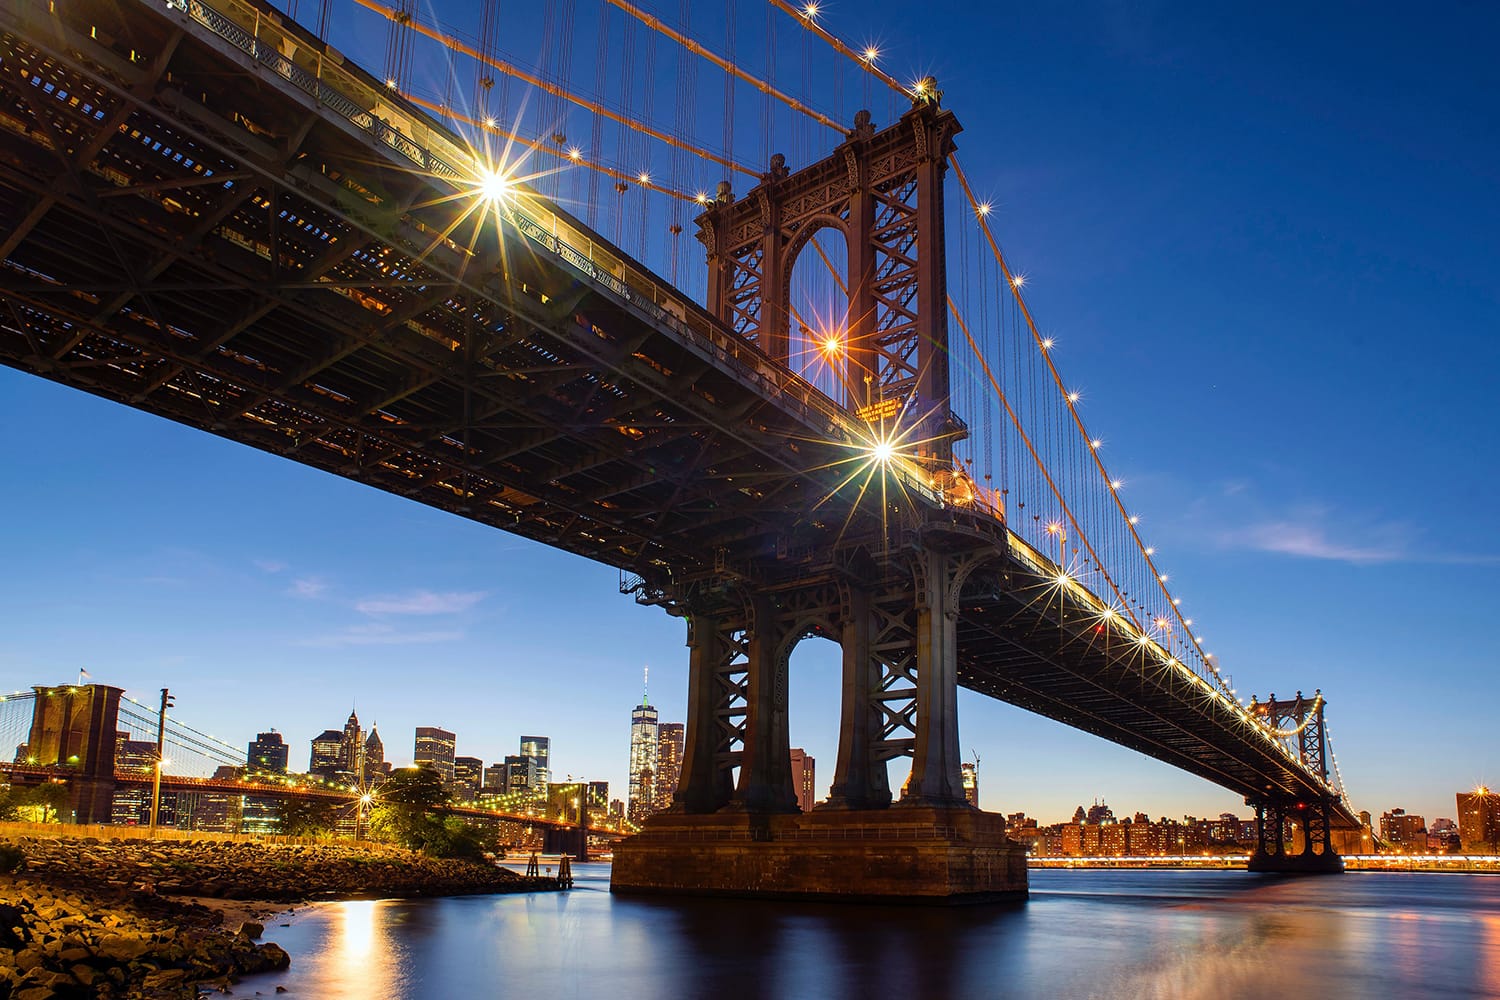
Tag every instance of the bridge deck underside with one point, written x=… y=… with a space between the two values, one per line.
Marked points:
x=223 y=251
x=1041 y=647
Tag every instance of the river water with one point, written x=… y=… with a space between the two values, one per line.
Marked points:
x=1117 y=934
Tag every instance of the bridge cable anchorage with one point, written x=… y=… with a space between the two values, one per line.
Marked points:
x=728 y=66
x=463 y=48
x=1070 y=401
x=540 y=145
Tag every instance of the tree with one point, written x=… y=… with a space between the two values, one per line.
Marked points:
x=410 y=811
x=304 y=817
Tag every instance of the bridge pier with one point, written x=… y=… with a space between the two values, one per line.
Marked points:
x=1308 y=851
x=747 y=837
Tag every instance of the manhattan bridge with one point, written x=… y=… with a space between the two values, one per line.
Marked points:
x=717 y=307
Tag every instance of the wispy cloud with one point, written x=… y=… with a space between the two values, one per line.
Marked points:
x=1312 y=540
x=308 y=587
x=269 y=565
x=421 y=602
x=378 y=634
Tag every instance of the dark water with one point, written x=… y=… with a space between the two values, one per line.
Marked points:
x=1111 y=934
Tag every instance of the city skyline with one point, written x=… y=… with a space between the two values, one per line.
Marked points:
x=1288 y=396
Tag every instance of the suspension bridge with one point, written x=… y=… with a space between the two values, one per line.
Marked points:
x=103 y=742
x=463 y=280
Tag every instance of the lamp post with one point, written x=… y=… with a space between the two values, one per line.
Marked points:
x=161 y=735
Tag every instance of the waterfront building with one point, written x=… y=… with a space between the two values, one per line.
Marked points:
x=1479 y=820
x=1443 y=837
x=434 y=747
x=267 y=754
x=538 y=749
x=327 y=756
x=1100 y=813
x=969 y=771
x=645 y=742
x=1113 y=839
x=670 y=738
x=468 y=773
x=804 y=778
x=1403 y=832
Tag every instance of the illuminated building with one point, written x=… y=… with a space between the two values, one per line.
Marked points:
x=970 y=774
x=326 y=758
x=351 y=749
x=375 y=762
x=1479 y=820
x=669 y=744
x=537 y=749
x=132 y=803
x=267 y=754
x=496 y=778
x=434 y=747
x=1404 y=833
x=804 y=779
x=468 y=773
x=644 y=747
x=520 y=773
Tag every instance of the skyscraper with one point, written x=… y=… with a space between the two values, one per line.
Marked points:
x=537 y=749
x=496 y=778
x=375 y=755
x=669 y=744
x=352 y=748
x=970 y=774
x=804 y=778
x=435 y=747
x=645 y=743
x=468 y=772
x=326 y=756
x=267 y=754
x=520 y=773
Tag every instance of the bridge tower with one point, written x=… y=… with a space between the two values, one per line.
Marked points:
x=883 y=190
x=73 y=728
x=889 y=598
x=1310 y=849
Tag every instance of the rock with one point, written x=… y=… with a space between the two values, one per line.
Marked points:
x=252 y=930
x=120 y=948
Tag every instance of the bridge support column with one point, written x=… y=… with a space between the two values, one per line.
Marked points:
x=706 y=785
x=936 y=778
x=1313 y=822
x=859 y=777
x=765 y=784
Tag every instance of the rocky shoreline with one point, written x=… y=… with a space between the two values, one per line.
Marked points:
x=116 y=918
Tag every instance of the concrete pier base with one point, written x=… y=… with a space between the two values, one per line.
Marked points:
x=903 y=854
x=1327 y=863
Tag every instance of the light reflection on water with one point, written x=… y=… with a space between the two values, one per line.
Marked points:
x=1083 y=934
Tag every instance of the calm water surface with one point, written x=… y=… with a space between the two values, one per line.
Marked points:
x=1111 y=934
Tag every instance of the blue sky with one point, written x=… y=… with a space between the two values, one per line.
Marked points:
x=1264 y=238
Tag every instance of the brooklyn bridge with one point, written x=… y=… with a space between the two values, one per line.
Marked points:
x=836 y=419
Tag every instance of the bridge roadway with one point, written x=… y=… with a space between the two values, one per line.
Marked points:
x=234 y=786
x=207 y=215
